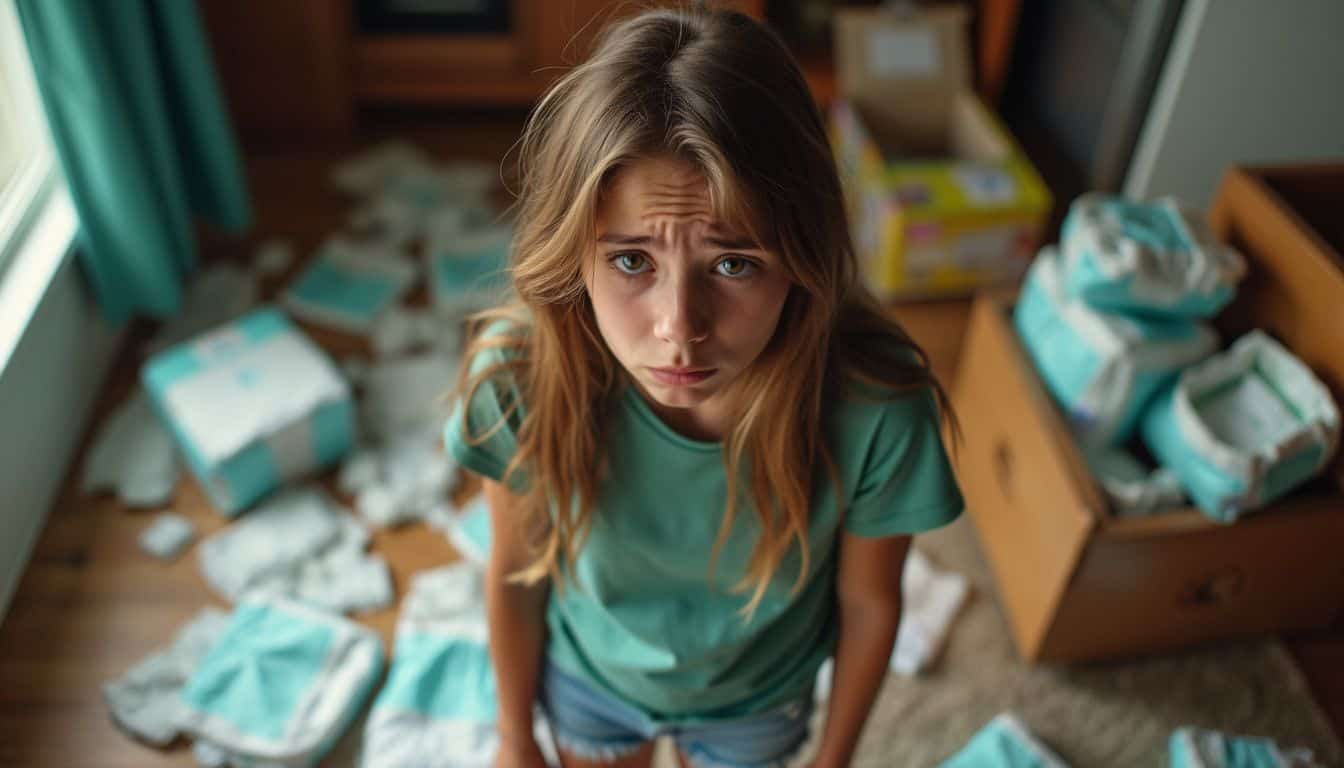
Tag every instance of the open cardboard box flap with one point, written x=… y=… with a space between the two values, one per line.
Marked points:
x=908 y=76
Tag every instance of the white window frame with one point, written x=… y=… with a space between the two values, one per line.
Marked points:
x=29 y=187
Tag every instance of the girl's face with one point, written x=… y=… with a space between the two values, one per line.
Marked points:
x=684 y=304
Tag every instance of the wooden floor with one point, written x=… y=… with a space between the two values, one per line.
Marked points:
x=90 y=604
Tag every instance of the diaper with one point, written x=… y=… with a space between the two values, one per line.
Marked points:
x=145 y=702
x=468 y=270
x=281 y=684
x=1244 y=427
x=1101 y=368
x=439 y=706
x=1198 y=748
x=1004 y=743
x=252 y=405
x=1152 y=258
x=350 y=285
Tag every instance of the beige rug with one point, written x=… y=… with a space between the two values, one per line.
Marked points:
x=1098 y=715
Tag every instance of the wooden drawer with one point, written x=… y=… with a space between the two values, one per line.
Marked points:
x=1077 y=583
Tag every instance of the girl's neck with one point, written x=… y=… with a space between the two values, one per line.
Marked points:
x=706 y=423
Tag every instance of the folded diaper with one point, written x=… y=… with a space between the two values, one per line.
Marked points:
x=439 y=705
x=1244 y=427
x=1198 y=748
x=1004 y=743
x=1133 y=488
x=1153 y=258
x=469 y=270
x=281 y=684
x=350 y=285
x=1101 y=368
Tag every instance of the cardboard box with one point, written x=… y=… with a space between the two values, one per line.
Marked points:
x=941 y=199
x=1077 y=583
x=252 y=404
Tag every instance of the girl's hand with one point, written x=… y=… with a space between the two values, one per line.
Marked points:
x=519 y=753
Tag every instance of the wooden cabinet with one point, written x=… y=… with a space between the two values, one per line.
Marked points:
x=510 y=69
x=299 y=72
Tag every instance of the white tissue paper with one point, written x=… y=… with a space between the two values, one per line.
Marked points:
x=167 y=536
x=133 y=455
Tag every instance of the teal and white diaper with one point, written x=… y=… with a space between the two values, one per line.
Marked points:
x=439 y=706
x=1132 y=488
x=350 y=285
x=1244 y=427
x=1004 y=743
x=281 y=685
x=1198 y=748
x=1149 y=258
x=252 y=404
x=1102 y=368
x=468 y=269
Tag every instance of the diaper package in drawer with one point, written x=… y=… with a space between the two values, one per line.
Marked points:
x=1102 y=368
x=1147 y=258
x=1244 y=427
x=251 y=404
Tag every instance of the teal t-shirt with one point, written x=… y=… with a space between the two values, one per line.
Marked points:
x=639 y=616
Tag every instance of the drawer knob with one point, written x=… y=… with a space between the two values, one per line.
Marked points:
x=1218 y=588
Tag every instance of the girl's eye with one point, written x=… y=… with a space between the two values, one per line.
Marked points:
x=630 y=263
x=735 y=266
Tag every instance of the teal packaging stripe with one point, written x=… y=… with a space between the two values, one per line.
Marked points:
x=264 y=323
x=261 y=668
x=333 y=431
x=1156 y=227
x=441 y=677
x=1196 y=748
x=1066 y=363
x=1212 y=490
x=998 y=745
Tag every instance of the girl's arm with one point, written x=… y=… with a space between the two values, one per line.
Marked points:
x=868 y=591
x=516 y=615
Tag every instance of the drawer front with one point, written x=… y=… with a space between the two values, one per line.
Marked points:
x=1033 y=504
x=1275 y=571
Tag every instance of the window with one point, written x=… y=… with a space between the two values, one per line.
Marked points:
x=26 y=157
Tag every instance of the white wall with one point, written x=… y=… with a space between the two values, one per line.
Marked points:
x=1246 y=82
x=47 y=390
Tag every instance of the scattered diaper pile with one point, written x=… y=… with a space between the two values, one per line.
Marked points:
x=244 y=397
x=1115 y=320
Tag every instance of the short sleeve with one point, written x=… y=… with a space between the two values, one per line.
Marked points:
x=485 y=414
x=906 y=485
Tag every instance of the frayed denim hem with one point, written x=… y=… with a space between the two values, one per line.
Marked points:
x=595 y=752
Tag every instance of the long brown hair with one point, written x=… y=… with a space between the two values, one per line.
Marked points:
x=716 y=89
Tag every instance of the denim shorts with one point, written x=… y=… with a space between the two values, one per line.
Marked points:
x=595 y=725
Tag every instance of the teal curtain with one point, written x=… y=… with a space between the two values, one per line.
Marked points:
x=143 y=136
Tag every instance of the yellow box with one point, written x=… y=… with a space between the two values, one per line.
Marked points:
x=941 y=200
